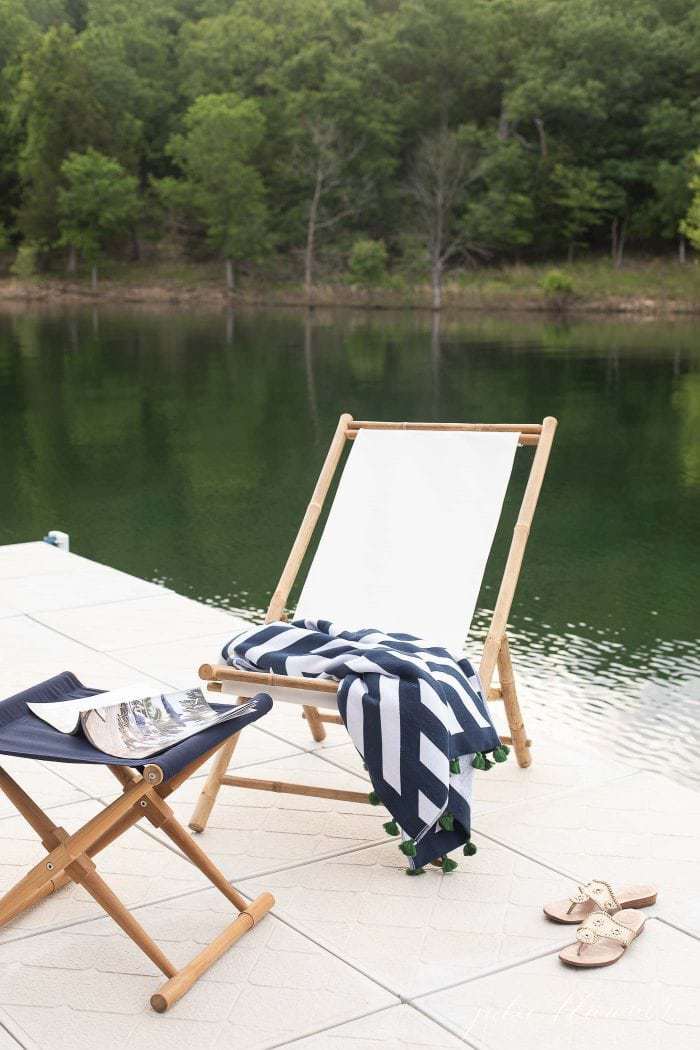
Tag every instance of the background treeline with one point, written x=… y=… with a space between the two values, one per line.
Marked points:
x=422 y=133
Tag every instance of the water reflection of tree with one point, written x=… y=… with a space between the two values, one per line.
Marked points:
x=166 y=449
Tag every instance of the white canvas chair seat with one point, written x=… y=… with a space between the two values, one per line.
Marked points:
x=404 y=548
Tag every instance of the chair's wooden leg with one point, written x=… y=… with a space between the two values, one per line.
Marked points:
x=207 y=798
x=182 y=981
x=511 y=705
x=318 y=730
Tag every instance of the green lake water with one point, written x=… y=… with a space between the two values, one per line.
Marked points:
x=183 y=447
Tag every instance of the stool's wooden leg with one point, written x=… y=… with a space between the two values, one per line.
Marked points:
x=84 y=872
x=207 y=798
x=182 y=981
x=318 y=730
x=161 y=815
x=512 y=707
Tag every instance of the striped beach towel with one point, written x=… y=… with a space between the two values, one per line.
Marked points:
x=415 y=713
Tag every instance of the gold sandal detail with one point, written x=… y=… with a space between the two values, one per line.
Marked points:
x=603 y=939
x=599 y=895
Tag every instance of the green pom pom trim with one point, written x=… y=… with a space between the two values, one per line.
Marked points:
x=479 y=762
x=415 y=871
x=469 y=849
x=408 y=848
x=374 y=799
x=449 y=865
x=454 y=765
x=500 y=754
x=447 y=822
x=391 y=828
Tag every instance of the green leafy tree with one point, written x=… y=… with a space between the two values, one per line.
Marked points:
x=367 y=263
x=690 y=225
x=580 y=201
x=221 y=185
x=95 y=204
x=57 y=113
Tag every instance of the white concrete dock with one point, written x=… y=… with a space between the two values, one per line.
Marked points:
x=355 y=955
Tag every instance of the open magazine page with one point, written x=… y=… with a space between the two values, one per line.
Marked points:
x=141 y=728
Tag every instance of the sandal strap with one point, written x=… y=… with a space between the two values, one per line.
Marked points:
x=597 y=891
x=598 y=925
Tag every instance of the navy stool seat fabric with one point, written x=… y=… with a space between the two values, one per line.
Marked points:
x=24 y=735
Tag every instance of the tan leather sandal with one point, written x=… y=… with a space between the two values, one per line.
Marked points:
x=603 y=939
x=597 y=895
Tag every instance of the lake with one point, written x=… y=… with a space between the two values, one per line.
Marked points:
x=183 y=447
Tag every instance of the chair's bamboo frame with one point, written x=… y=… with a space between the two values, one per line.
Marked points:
x=495 y=654
x=70 y=859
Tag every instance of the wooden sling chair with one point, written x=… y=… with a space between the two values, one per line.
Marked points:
x=145 y=788
x=404 y=548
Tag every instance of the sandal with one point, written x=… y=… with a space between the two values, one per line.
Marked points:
x=598 y=895
x=603 y=939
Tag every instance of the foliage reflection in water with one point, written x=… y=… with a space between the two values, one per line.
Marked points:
x=183 y=447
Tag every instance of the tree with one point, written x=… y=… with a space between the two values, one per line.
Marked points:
x=580 y=201
x=690 y=225
x=500 y=212
x=325 y=159
x=367 y=262
x=56 y=113
x=221 y=185
x=97 y=201
x=443 y=166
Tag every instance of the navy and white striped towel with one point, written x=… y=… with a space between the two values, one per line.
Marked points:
x=415 y=713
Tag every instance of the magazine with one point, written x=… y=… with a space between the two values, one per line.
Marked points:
x=133 y=723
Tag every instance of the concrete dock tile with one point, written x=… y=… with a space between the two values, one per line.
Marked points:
x=177 y=662
x=41 y=784
x=271 y=986
x=419 y=933
x=30 y=653
x=165 y=617
x=70 y=590
x=640 y=829
x=38 y=558
x=392 y=1029
x=646 y=1001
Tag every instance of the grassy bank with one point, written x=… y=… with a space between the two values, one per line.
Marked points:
x=652 y=287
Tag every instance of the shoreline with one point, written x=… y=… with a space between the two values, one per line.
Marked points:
x=56 y=291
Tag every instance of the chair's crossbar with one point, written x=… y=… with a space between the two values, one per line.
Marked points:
x=70 y=858
x=224 y=673
x=216 y=674
x=529 y=433
x=374 y=424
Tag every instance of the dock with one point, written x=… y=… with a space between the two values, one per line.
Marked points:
x=355 y=955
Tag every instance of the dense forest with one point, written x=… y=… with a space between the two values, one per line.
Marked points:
x=422 y=134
